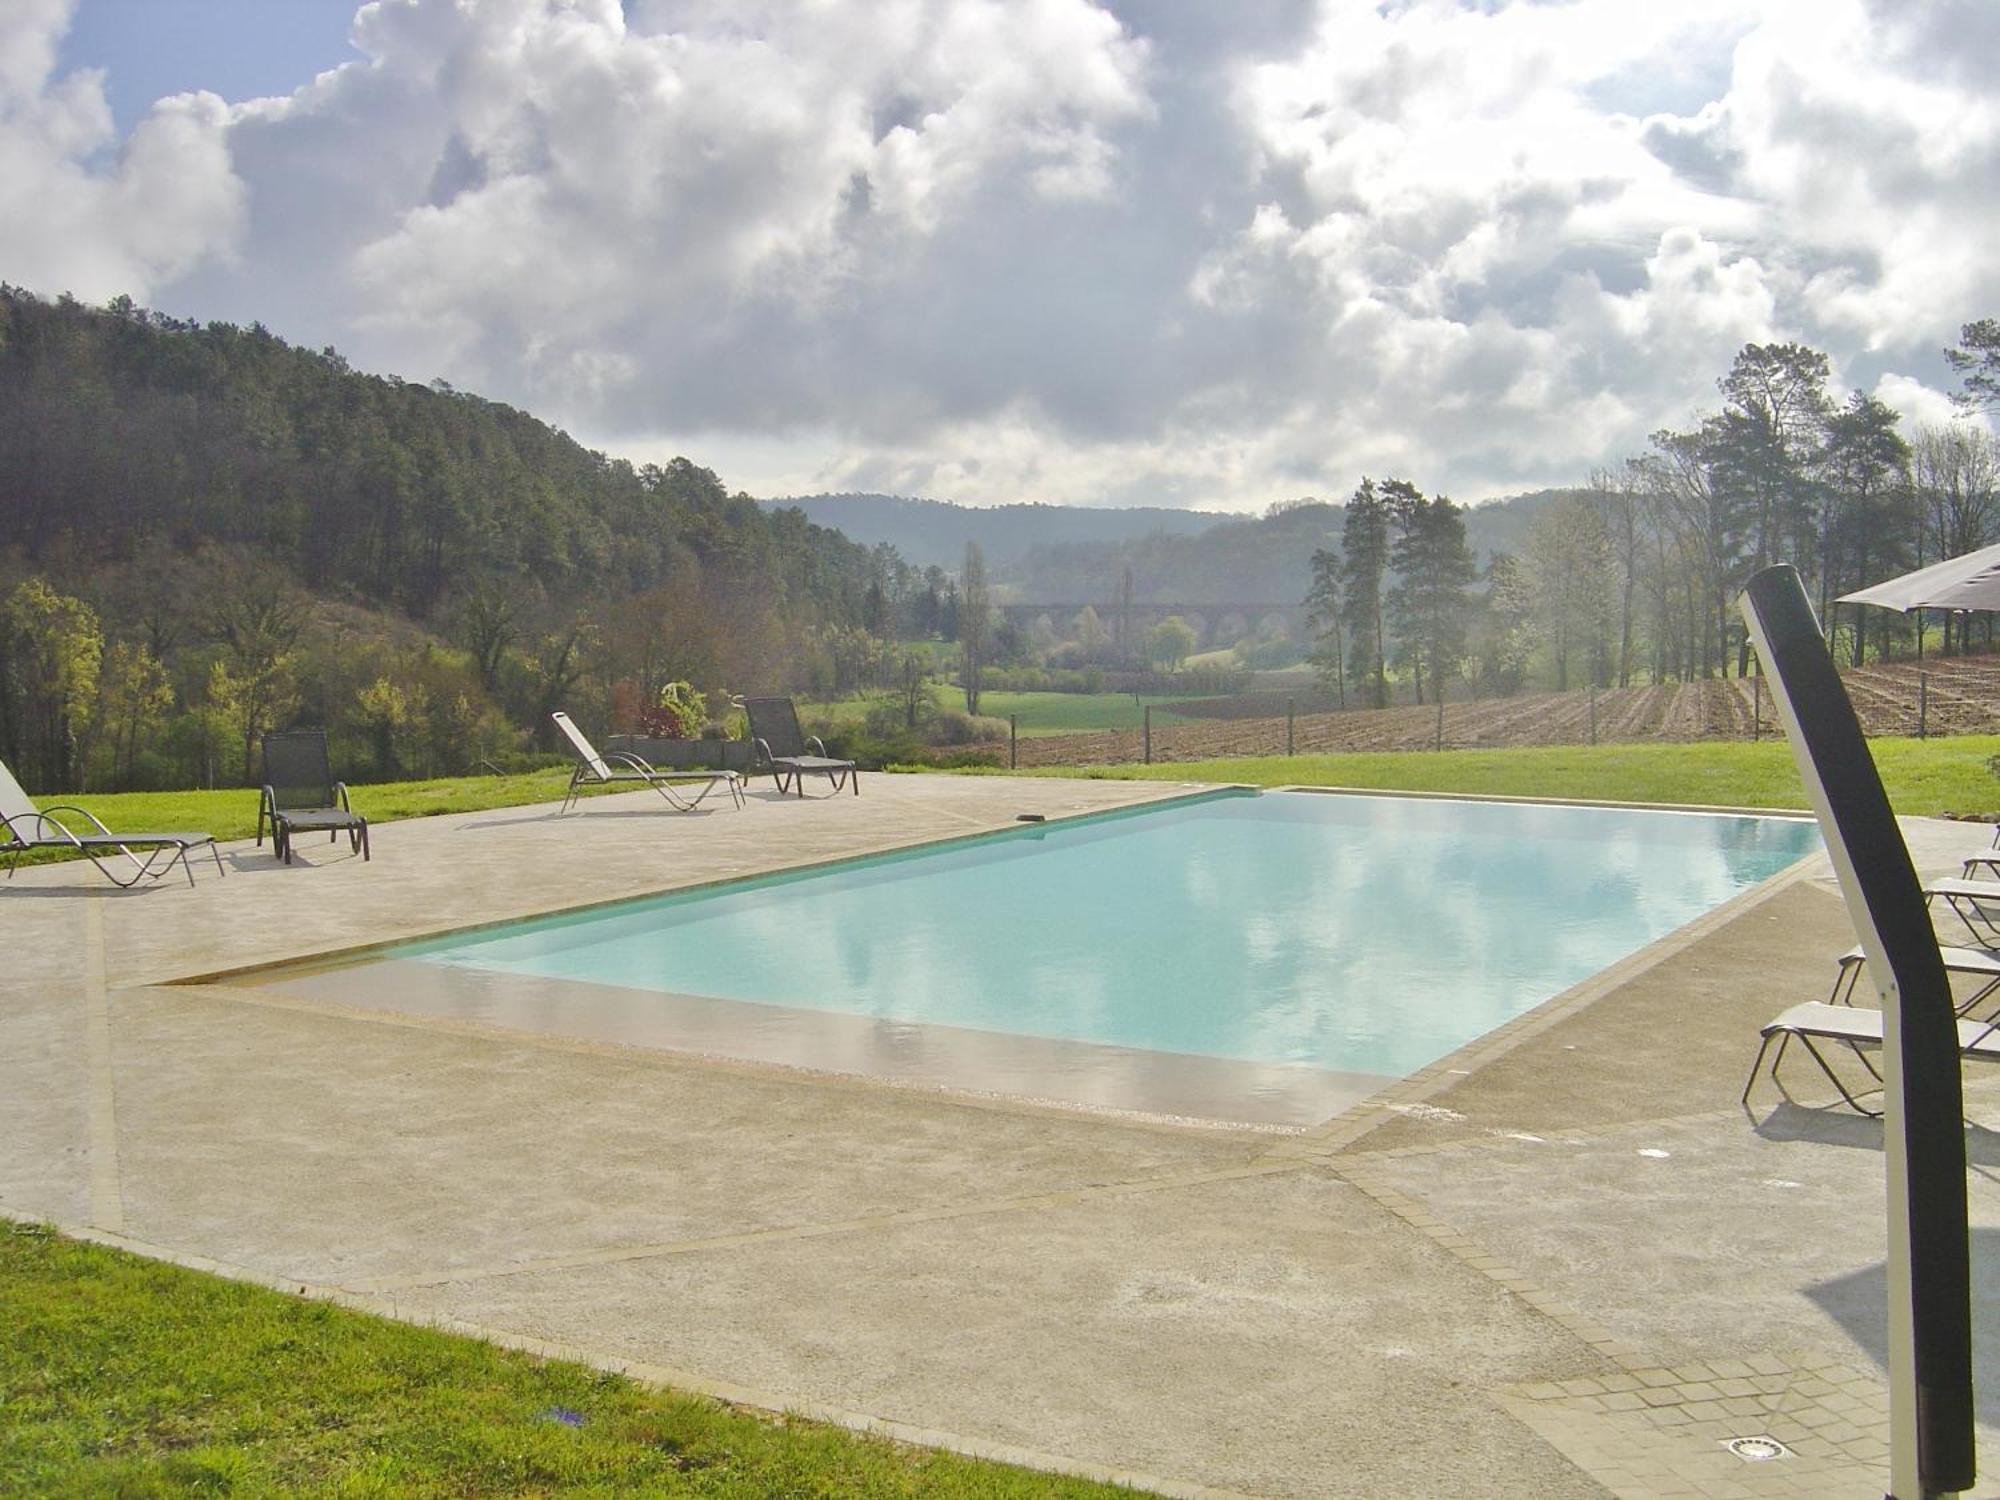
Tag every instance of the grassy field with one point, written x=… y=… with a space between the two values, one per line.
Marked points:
x=231 y=813
x=1075 y=713
x=1927 y=777
x=1040 y=714
x=125 y=1376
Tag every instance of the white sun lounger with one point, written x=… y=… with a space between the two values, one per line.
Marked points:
x=600 y=770
x=1858 y=1029
x=1982 y=964
x=23 y=827
x=1976 y=903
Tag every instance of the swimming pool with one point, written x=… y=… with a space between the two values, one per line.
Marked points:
x=1288 y=943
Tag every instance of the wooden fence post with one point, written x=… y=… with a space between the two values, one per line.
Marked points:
x=1593 y=711
x=1013 y=741
x=1149 y=734
x=1291 y=718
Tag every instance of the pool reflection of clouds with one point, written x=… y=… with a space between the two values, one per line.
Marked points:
x=1371 y=934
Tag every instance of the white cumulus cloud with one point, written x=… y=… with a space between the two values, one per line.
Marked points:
x=1088 y=250
x=83 y=212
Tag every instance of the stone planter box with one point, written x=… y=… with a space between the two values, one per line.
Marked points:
x=685 y=755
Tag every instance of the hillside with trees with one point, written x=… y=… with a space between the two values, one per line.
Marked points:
x=935 y=533
x=206 y=532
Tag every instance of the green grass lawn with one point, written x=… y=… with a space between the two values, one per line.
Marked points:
x=1927 y=777
x=126 y=1376
x=1043 y=714
x=231 y=813
x=1040 y=714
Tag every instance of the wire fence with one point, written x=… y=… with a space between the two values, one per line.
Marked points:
x=1944 y=696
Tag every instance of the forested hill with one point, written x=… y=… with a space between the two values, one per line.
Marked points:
x=1263 y=559
x=934 y=532
x=1068 y=554
x=125 y=434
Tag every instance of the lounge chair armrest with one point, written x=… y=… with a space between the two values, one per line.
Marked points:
x=813 y=739
x=628 y=758
x=764 y=751
x=49 y=830
x=340 y=797
x=47 y=815
x=27 y=831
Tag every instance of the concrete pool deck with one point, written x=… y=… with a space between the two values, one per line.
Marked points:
x=1561 y=1264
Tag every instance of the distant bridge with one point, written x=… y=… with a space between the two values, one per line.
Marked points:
x=1148 y=614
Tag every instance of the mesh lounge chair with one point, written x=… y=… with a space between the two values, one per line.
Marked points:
x=1982 y=964
x=774 y=728
x=1859 y=1030
x=23 y=826
x=301 y=796
x=1976 y=903
x=593 y=769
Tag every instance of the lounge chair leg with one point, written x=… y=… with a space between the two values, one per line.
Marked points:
x=1751 y=1082
x=1835 y=1079
x=1978 y=998
x=1845 y=981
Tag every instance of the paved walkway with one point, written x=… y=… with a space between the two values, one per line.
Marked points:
x=1560 y=1264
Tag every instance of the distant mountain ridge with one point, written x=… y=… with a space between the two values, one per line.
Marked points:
x=934 y=532
x=1072 y=554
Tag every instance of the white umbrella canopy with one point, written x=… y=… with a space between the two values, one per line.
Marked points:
x=1968 y=582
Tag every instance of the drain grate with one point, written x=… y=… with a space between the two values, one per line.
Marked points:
x=1757 y=1450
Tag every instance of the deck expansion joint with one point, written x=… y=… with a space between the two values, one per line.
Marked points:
x=107 y=1197
x=792 y=1233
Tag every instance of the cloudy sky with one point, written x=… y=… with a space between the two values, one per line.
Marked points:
x=1136 y=251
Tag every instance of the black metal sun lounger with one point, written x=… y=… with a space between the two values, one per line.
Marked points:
x=301 y=796
x=593 y=769
x=25 y=827
x=774 y=727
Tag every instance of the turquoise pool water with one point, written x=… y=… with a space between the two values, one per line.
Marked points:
x=1362 y=934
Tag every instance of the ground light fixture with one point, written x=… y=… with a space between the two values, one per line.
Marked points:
x=1928 y=1262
